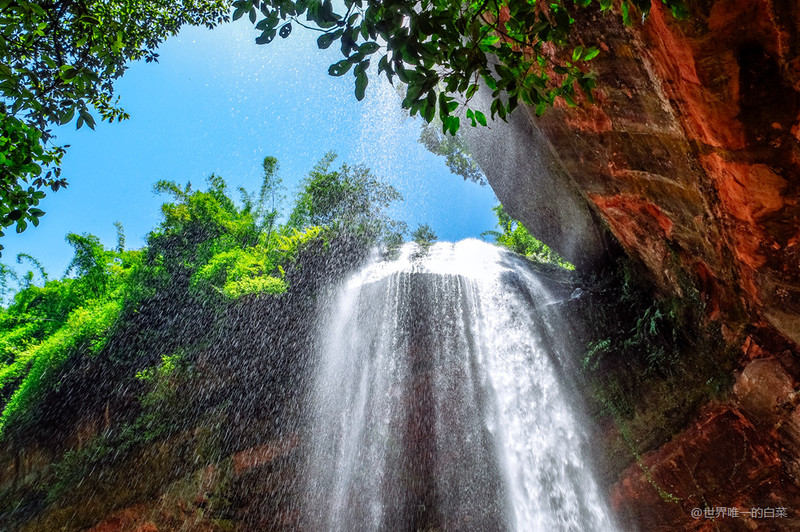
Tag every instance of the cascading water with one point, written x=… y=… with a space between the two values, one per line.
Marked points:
x=437 y=403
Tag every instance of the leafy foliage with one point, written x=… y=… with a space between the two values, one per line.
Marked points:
x=258 y=269
x=237 y=272
x=391 y=245
x=22 y=156
x=349 y=199
x=424 y=237
x=207 y=252
x=518 y=239
x=442 y=50
x=270 y=193
x=653 y=336
x=454 y=149
x=197 y=226
x=649 y=361
x=86 y=329
x=45 y=325
x=57 y=61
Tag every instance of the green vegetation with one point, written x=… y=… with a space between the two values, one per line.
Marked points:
x=146 y=348
x=649 y=361
x=424 y=237
x=208 y=251
x=454 y=150
x=515 y=237
x=442 y=50
x=57 y=61
x=44 y=326
x=350 y=198
x=36 y=367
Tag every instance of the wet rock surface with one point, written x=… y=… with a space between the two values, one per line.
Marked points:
x=721 y=461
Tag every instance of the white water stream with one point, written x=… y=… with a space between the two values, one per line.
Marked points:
x=437 y=403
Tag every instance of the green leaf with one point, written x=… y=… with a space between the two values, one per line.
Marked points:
x=285 y=30
x=88 y=118
x=361 y=85
x=679 y=10
x=590 y=53
x=480 y=117
x=444 y=108
x=383 y=64
x=626 y=13
x=488 y=42
x=68 y=72
x=369 y=48
x=401 y=72
x=66 y=116
x=576 y=53
x=501 y=111
x=428 y=112
x=361 y=67
x=326 y=39
x=446 y=124
x=356 y=58
x=455 y=123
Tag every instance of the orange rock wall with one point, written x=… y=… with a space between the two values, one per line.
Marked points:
x=693 y=152
x=692 y=159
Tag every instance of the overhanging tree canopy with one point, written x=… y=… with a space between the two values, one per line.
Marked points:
x=60 y=58
x=441 y=49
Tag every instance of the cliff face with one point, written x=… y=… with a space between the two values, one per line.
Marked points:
x=532 y=184
x=693 y=154
x=692 y=159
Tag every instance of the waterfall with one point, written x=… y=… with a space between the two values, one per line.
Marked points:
x=438 y=402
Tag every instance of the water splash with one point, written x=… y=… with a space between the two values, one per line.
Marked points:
x=438 y=403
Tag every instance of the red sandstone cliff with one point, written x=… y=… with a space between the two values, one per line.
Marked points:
x=692 y=158
x=694 y=150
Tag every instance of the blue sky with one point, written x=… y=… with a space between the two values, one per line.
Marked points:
x=218 y=103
